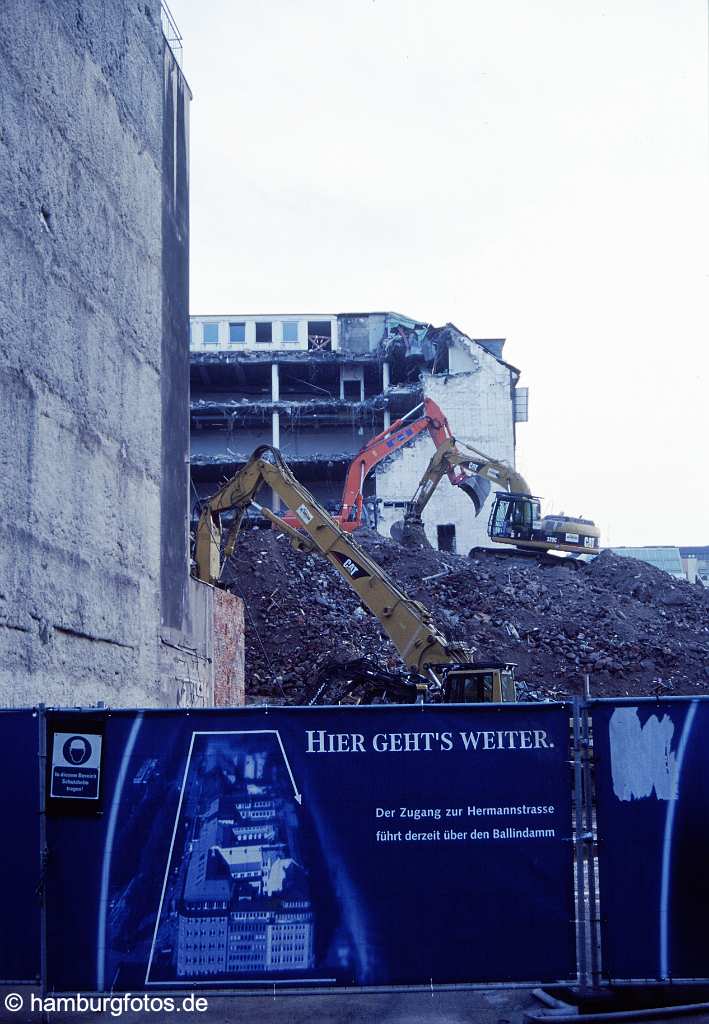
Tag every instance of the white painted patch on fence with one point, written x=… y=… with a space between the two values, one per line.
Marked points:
x=642 y=759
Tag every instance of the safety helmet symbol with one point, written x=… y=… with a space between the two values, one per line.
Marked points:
x=77 y=750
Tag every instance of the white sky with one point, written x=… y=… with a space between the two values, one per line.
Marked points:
x=529 y=170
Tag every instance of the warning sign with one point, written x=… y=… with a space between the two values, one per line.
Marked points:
x=76 y=766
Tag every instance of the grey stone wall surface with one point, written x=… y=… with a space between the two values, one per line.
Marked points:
x=175 y=349
x=82 y=352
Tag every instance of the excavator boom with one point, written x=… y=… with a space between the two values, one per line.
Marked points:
x=402 y=432
x=399 y=434
x=460 y=462
x=408 y=623
x=515 y=518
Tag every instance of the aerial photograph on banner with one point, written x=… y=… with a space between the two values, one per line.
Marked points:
x=238 y=894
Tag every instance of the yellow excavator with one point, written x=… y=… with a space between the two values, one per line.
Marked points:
x=441 y=670
x=516 y=516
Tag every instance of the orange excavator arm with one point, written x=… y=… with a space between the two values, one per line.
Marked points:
x=400 y=433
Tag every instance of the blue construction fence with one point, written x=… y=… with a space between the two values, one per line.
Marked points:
x=368 y=846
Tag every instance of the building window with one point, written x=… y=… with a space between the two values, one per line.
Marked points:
x=237 y=333
x=446 y=537
x=290 y=330
x=210 y=334
x=264 y=333
x=520 y=404
x=319 y=335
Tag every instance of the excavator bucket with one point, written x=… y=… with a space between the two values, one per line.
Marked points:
x=477 y=488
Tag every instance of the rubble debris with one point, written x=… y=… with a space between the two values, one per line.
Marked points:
x=410 y=534
x=634 y=629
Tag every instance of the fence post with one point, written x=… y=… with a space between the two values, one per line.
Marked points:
x=593 y=894
x=42 y=887
x=580 y=846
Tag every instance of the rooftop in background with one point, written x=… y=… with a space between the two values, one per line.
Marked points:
x=662 y=556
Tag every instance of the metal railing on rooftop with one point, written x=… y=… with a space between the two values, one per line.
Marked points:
x=171 y=31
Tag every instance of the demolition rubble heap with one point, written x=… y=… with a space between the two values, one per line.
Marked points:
x=634 y=629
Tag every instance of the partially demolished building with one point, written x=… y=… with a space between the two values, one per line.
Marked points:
x=320 y=386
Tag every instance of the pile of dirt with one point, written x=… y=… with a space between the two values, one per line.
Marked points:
x=634 y=629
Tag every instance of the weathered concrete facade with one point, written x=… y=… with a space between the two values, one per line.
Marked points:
x=93 y=357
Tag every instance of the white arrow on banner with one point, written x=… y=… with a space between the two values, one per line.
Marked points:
x=298 y=796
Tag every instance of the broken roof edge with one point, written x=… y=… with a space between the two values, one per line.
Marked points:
x=389 y=312
x=492 y=346
x=479 y=343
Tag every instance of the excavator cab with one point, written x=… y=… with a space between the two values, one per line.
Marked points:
x=517 y=519
x=479 y=683
x=515 y=516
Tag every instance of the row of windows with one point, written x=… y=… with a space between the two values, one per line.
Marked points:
x=237 y=332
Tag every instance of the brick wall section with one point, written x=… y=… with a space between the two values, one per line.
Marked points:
x=228 y=650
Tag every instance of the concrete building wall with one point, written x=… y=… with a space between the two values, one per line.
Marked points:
x=477 y=401
x=361 y=332
x=199 y=339
x=93 y=337
x=175 y=347
x=476 y=396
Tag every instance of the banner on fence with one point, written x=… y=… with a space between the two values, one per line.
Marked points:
x=365 y=846
x=652 y=784
x=19 y=813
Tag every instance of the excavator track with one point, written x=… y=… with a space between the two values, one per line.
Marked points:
x=527 y=554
